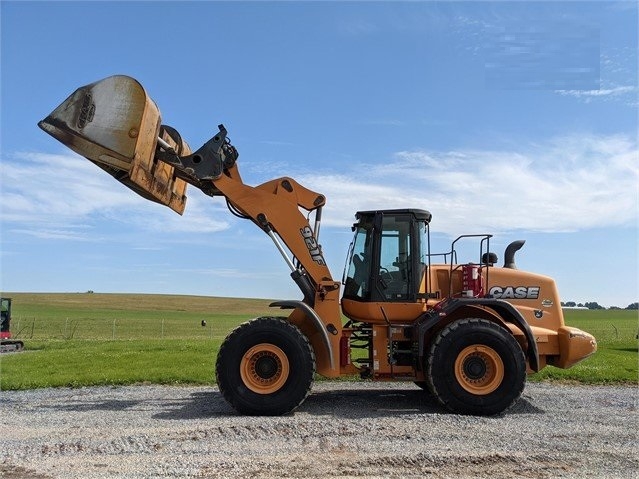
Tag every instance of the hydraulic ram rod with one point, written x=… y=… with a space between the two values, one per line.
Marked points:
x=164 y=144
x=281 y=249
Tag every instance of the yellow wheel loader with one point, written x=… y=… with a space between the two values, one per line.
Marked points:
x=469 y=332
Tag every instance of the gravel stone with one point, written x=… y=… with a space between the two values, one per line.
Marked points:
x=344 y=429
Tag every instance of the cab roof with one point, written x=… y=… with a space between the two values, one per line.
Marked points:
x=420 y=215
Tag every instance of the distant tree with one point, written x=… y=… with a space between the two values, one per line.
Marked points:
x=580 y=305
x=614 y=307
x=593 y=305
x=633 y=306
x=571 y=304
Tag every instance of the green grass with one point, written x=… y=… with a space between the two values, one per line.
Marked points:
x=613 y=363
x=89 y=339
x=128 y=316
x=83 y=363
x=616 y=359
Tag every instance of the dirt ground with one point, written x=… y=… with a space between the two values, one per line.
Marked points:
x=343 y=429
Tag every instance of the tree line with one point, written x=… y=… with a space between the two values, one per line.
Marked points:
x=595 y=305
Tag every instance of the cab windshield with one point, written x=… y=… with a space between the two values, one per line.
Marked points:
x=358 y=273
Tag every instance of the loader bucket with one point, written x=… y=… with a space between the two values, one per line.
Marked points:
x=114 y=124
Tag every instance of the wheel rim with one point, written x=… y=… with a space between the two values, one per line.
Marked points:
x=264 y=368
x=479 y=369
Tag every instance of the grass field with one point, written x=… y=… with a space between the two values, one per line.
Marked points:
x=616 y=357
x=86 y=339
x=128 y=316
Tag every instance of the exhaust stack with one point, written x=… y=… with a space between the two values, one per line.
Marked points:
x=115 y=124
x=509 y=254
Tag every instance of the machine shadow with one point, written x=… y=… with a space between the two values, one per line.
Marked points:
x=347 y=403
x=105 y=405
x=199 y=405
x=383 y=402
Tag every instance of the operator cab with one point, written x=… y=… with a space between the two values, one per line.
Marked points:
x=386 y=260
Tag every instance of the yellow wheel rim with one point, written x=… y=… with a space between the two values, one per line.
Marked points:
x=264 y=368
x=479 y=369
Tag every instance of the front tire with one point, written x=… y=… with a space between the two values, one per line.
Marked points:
x=265 y=367
x=476 y=367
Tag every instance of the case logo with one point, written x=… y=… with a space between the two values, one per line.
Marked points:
x=515 y=292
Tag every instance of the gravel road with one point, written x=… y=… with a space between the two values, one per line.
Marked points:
x=344 y=429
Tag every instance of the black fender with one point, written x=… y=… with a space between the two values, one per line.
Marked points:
x=315 y=319
x=503 y=308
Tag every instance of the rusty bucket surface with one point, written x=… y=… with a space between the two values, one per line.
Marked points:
x=115 y=124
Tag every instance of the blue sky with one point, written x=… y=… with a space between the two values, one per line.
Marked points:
x=512 y=118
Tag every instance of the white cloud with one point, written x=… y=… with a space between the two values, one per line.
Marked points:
x=567 y=184
x=43 y=187
x=229 y=273
x=57 y=234
x=62 y=196
x=201 y=216
x=603 y=93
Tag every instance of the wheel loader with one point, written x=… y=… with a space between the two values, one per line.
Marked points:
x=467 y=331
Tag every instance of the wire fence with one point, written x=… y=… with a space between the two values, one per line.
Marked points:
x=39 y=328
x=612 y=332
x=44 y=328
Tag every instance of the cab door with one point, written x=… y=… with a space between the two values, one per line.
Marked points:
x=385 y=268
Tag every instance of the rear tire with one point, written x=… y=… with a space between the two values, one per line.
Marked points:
x=265 y=367
x=476 y=367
